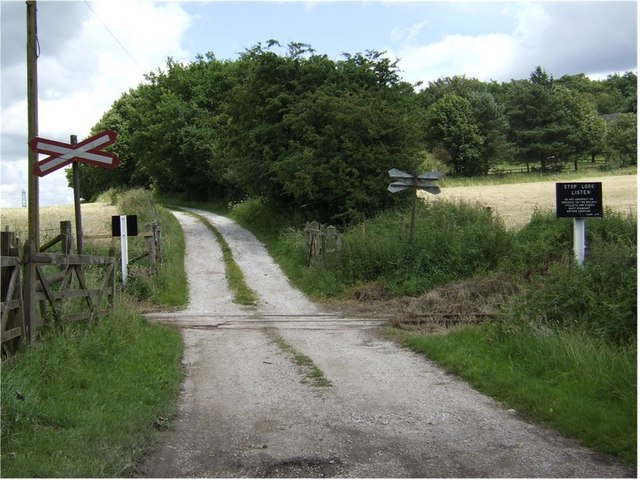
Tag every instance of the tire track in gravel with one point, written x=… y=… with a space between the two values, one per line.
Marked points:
x=244 y=410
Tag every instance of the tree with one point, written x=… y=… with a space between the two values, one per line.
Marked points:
x=539 y=118
x=587 y=135
x=622 y=139
x=451 y=125
x=320 y=135
x=493 y=128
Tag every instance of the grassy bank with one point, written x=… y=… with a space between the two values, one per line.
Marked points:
x=84 y=400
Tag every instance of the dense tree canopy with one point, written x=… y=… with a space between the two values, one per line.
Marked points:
x=300 y=129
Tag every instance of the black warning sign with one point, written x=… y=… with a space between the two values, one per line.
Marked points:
x=579 y=200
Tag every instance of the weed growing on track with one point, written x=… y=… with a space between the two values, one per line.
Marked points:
x=311 y=373
x=242 y=294
x=565 y=349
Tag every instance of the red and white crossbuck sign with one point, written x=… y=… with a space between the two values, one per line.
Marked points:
x=62 y=154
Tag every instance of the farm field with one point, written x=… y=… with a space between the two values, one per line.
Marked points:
x=516 y=202
x=96 y=219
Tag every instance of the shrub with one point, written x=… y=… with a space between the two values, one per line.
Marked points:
x=599 y=297
x=452 y=241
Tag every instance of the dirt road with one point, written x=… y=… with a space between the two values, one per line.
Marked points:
x=248 y=409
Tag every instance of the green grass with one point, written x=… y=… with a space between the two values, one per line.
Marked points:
x=582 y=386
x=84 y=400
x=169 y=287
x=242 y=294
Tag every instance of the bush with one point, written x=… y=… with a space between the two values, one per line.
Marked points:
x=543 y=240
x=599 y=297
x=452 y=241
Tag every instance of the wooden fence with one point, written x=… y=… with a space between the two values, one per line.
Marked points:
x=321 y=240
x=62 y=290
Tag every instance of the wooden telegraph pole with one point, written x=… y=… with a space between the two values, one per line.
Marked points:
x=33 y=242
x=76 y=199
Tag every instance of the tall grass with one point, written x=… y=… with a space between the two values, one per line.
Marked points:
x=452 y=241
x=169 y=287
x=85 y=399
x=598 y=297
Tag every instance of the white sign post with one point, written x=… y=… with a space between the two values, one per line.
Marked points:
x=579 y=239
x=124 y=247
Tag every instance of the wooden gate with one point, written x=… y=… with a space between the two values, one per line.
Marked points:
x=67 y=288
x=13 y=328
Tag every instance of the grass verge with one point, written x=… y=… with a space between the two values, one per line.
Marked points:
x=84 y=400
x=169 y=287
x=581 y=386
x=242 y=294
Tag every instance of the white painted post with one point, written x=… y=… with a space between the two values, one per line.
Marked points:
x=579 y=239
x=124 y=247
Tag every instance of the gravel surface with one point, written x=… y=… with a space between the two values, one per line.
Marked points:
x=247 y=409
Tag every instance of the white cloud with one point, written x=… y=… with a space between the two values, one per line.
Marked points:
x=483 y=57
x=82 y=70
x=563 y=37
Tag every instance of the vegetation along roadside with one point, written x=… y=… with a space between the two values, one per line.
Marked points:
x=86 y=398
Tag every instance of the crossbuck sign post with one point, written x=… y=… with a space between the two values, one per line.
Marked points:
x=403 y=180
x=62 y=154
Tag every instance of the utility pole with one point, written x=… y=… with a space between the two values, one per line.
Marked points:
x=33 y=242
x=32 y=119
x=76 y=199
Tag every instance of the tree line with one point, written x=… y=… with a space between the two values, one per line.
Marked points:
x=299 y=129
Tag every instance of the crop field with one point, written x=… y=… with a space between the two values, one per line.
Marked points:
x=96 y=219
x=515 y=203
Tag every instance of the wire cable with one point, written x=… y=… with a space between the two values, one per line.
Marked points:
x=114 y=37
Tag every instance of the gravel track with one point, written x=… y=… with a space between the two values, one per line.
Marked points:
x=247 y=410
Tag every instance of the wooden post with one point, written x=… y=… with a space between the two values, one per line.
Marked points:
x=413 y=209
x=33 y=241
x=7 y=249
x=156 y=237
x=150 y=240
x=65 y=237
x=76 y=200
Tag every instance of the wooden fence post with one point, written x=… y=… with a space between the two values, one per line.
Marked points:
x=29 y=293
x=66 y=237
x=156 y=238
x=150 y=240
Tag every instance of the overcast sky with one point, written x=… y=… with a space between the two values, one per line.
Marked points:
x=92 y=52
